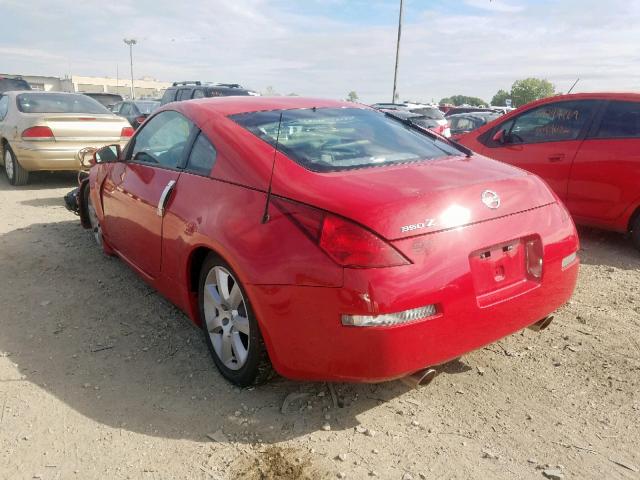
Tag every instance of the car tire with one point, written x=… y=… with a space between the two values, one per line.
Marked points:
x=96 y=228
x=15 y=173
x=635 y=231
x=230 y=327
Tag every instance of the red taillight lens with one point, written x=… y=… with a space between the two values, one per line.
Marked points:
x=126 y=132
x=347 y=243
x=141 y=119
x=350 y=245
x=37 y=133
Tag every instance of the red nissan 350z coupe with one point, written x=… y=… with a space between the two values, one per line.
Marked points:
x=327 y=239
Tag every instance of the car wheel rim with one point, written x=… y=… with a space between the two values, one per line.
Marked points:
x=226 y=318
x=8 y=164
x=95 y=224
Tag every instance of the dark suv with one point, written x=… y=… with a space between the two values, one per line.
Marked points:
x=188 y=90
x=13 y=83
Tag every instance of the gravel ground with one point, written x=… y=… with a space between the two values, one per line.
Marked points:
x=100 y=377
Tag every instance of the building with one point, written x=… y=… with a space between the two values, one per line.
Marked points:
x=144 y=88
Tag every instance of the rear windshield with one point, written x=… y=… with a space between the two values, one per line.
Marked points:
x=58 y=103
x=8 y=84
x=333 y=139
x=147 y=107
x=105 y=98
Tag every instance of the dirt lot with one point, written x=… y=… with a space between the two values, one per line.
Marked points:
x=100 y=377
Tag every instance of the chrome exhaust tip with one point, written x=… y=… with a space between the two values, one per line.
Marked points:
x=541 y=324
x=420 y=378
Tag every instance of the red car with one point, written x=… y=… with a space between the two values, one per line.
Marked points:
x=329 y=239
x=586 y=146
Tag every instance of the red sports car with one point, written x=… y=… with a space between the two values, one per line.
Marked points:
x=586 y=146
x=327 y=239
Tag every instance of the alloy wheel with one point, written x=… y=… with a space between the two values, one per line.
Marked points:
x=226 y=318
x=8 y=163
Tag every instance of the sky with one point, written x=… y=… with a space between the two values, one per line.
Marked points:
x=327 y=48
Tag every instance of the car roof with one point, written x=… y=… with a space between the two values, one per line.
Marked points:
x=588 y=96
x=233 y=105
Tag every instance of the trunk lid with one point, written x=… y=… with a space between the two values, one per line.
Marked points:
x=84 y=127
x=420 y=198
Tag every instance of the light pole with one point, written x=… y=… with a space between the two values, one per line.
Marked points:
x=131 y=42
x=395 y=72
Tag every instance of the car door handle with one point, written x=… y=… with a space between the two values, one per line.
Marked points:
x=557 y=157
x=162 y=203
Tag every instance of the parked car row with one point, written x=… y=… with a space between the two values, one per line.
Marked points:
x=303 y=234
x=46 y=130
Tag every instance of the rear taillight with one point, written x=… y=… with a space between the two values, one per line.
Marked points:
x=126 y=132
x=346 y=243
x=37 y=133
x=141 y=118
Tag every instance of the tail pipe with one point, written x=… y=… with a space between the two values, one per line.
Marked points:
x=420 y=378
x=541 y=324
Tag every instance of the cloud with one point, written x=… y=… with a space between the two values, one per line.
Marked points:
x=330 y=48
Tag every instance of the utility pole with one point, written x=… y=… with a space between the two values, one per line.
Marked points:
x=395 y=72
x=131 y=42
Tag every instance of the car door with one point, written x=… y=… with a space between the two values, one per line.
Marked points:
x=138 y=190
x=544 y=140
x=604 y=178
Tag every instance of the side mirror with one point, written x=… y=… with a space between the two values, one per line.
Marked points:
x=85 y=156
x=108 y=154
x=500 y=136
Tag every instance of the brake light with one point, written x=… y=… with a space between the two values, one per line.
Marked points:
x=141 y=119
x=126 y=132
x=346 y=243
x=37 y=133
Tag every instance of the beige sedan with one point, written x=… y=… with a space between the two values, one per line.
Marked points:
x=45 y=131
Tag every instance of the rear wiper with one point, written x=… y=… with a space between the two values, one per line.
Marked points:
x=430 y=133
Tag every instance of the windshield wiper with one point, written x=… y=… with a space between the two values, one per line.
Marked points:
x=430 y=133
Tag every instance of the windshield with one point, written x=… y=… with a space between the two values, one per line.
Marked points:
x=58 y=103
x=332 y=139
x=147 y=107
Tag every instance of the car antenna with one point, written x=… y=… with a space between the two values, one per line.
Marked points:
x=265 y=217
x=574 y=84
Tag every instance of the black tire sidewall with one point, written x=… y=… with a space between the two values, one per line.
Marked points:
x=635 y=231
x=250 y=371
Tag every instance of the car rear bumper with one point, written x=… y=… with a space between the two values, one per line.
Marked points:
x=34 y=156
x=306 y=339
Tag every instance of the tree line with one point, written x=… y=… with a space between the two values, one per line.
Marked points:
x=522 y=92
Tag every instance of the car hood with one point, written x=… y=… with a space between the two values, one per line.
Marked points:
x=400 y=201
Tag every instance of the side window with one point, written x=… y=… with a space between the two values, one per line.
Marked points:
x=620 y=120
x=4 y=106
x=554 y=122
x=162 y=140
x=116 y=108
x=202 y=157
x=125 y=109
x=184 y=94
x=168 y=97
x=198 y=93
